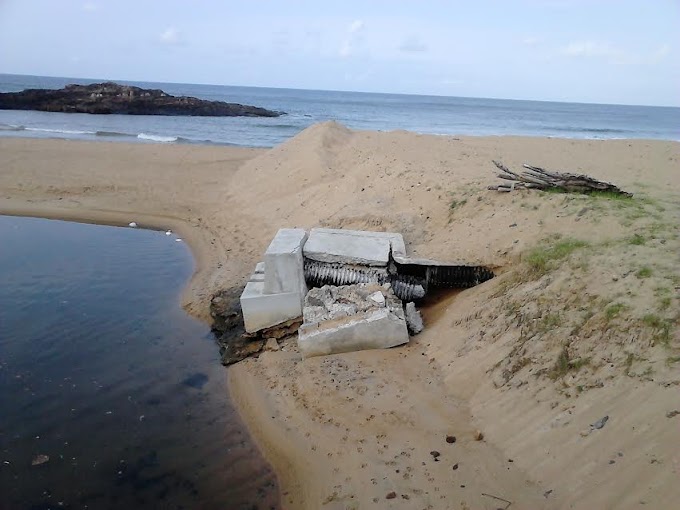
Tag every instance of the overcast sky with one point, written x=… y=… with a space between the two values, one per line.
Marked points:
x=602 y=51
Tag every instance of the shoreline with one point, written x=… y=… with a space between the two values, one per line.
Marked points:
x=197 y=240
x=375 y=416
x=134 y=139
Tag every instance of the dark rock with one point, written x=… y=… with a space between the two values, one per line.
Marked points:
x=235 y=344
x=107 y=98
x=391 y=495
x=435 y=454
x=455 y=466
x=450 y=439
x=672 y=414
x=225 y=310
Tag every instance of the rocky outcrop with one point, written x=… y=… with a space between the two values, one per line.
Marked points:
x=107 y=98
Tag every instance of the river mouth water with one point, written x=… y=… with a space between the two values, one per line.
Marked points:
x=111 y=396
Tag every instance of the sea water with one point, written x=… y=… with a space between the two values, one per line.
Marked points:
x=357 y=110
x=111 y=396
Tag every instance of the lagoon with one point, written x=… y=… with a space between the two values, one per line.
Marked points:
x=104 y=374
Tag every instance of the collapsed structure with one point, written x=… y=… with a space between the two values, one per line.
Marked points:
x=364 y=277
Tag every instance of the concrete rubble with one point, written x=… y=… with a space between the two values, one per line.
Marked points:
x=351 y=318
x=414 y=320
x=360 y=280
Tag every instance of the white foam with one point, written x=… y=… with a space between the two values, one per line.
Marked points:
x=157 y=138
x=61 y=131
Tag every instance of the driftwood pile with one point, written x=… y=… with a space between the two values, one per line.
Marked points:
x=538 y=178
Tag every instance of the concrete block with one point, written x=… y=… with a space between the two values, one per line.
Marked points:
x=261 y=310
x=284 y=264
x=259 y=267
x=257 y=277
x=347 y=247
x=375 y=329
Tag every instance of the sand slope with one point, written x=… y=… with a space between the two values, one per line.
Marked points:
x=584 y=328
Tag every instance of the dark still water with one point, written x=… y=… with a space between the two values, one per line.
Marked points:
x=102 y=372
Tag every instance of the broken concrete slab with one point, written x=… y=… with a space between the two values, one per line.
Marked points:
x=351 y=318
x=377 y=329
x=414 y=320
x=261 y=310
x=284 y=265
x=347 y=247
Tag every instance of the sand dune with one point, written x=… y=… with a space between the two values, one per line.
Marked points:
x=581 y=322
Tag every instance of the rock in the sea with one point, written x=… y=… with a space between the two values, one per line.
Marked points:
x=414 y=320
x=106 y=98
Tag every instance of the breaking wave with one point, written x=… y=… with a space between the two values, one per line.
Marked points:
x=157 y=138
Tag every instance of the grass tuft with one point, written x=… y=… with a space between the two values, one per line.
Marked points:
x=644 y=272
x=637 y=240
x=563 y=364
x=662 y=328
x=614 y=310
x=544 y=258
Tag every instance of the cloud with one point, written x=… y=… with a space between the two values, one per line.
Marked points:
x=353 y=37
x=356 y=26
x=591 y=49
x=531 y=41
x=170 y=36
x=90 y=7
x=412 y=44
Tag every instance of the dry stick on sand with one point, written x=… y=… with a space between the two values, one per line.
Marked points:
x=538 y=178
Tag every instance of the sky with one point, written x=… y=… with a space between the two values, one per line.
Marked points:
x=601 y=51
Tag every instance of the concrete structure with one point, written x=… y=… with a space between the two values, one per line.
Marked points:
x=283 y=263
x=347 y=247
x=349 y=260
x=351 y=318
x=276 y=290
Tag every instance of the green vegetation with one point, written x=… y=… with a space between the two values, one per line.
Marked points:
x=665 y=303
x=614 y=310
x=662 y=327
x=549 y=321
x=456 y=203
x=637 y=240
x=563 y=364
x=544 y=258
x=644 y=272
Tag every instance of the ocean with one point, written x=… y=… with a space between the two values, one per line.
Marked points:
x=111 y=396
x=357 y=110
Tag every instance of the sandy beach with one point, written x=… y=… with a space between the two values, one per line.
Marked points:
x=500 y=401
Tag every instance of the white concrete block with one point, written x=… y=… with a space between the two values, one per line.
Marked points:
x=259 y=267
x=257 y=277
x=347 y=247
x=262 y=310
x=284 y=263
x=376 y=329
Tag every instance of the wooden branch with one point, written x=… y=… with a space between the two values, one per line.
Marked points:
x=534 y=177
